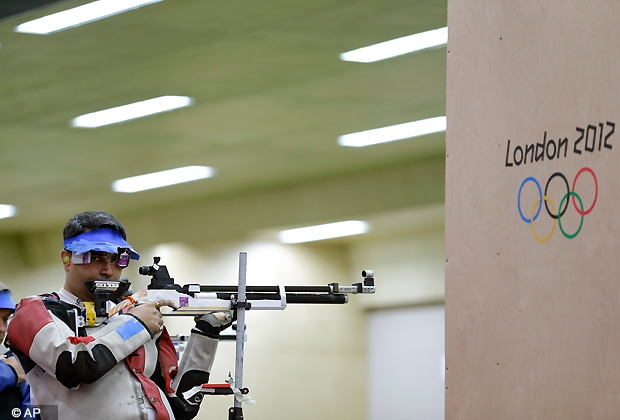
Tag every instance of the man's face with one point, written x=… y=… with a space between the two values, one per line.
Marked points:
x=102 y=266
x=5 y=314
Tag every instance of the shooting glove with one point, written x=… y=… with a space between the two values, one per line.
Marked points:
x=210 y=324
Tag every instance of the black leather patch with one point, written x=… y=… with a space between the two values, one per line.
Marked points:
x=85 y=369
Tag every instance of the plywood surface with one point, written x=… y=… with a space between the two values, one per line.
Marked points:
x=532 y=326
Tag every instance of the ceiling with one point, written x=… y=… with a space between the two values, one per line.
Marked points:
x=271 y=98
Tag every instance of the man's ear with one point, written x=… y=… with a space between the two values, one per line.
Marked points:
x=66 y=259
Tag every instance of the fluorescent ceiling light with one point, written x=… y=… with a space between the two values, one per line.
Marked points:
x=162 y=179
x=398 y=46
x=79 y=15
x=131 y=111
x=7 y=210
x=393 y=132
x=319 y=232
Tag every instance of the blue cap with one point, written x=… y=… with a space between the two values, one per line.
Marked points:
x=104 y=240
x=6 y=301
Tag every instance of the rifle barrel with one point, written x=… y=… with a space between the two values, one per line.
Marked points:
x=268 y=289
x=293 y=297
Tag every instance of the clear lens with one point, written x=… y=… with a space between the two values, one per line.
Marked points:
x=121 y=259
x=109 y=259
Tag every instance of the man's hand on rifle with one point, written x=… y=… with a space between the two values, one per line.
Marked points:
x=149 y=314
x=214 y=323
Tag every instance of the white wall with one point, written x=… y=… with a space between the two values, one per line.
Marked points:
x=406 y=323
x=410 y=267
x=407 y=363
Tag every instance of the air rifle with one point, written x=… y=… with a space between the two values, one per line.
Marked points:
x=196 y=299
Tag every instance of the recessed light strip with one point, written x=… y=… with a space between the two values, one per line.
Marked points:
x=7 y=210
x=131 y=111
x=398 y=46
x=393 y=132
x=77 y=16
x=162 y=179
x=320 y=232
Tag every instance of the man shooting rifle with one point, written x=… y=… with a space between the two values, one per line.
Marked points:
x=122 y=367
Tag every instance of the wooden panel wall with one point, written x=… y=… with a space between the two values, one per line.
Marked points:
x=533 y=96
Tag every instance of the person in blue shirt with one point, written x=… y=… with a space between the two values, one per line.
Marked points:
x=14 y=390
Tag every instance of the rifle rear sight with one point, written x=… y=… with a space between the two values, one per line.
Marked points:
x=159 y=273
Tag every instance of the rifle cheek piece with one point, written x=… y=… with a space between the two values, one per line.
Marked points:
x=104 y=291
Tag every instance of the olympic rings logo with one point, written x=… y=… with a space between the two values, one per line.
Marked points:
x=556 y=216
